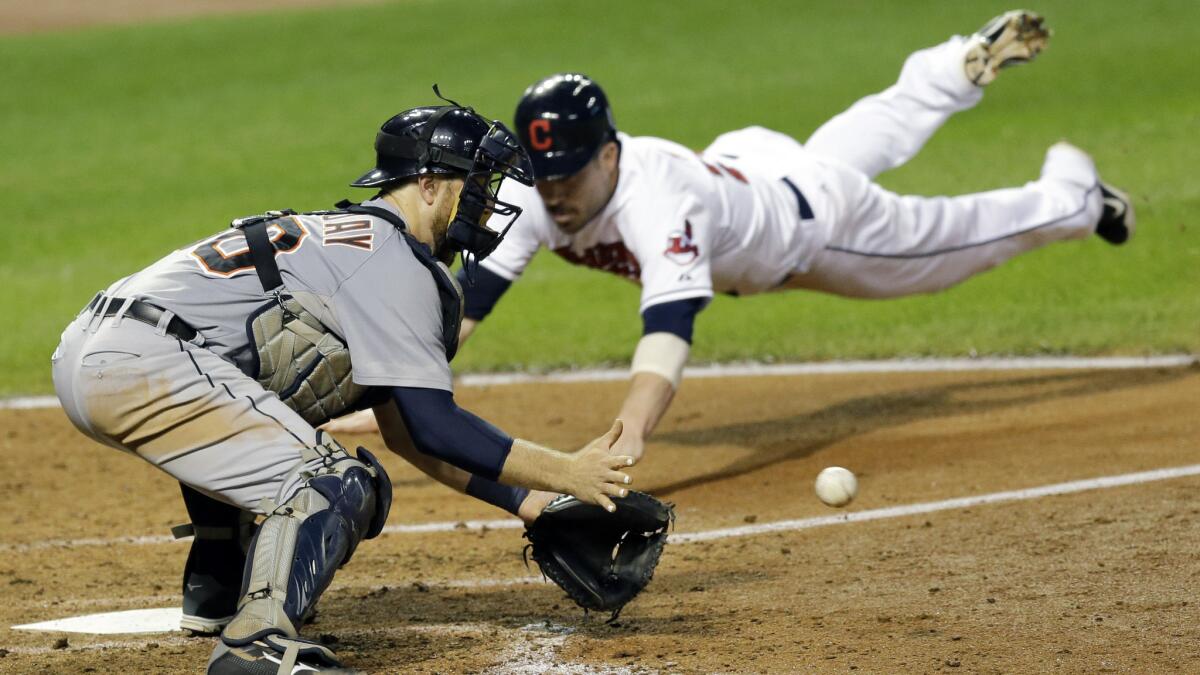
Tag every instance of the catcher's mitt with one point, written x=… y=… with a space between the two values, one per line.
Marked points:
x=601 y=559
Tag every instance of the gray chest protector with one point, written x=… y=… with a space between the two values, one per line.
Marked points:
x=297 y=356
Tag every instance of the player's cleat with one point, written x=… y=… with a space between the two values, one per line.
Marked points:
x=1117 y=220
x=212 y=585
x=1012 y=38
x=212 y=576
x=294 y=657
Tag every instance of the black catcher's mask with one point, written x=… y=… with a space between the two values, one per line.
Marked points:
x=455 y=140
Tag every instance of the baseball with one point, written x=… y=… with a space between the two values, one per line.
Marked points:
x=836 y=486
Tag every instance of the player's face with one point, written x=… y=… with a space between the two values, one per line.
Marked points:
x=576 y=199
x=444 y=205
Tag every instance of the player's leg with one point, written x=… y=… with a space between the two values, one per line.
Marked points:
x=201 y=420
x=302 y=542
x=212 y=576
x=884 y=130
x=884 y=245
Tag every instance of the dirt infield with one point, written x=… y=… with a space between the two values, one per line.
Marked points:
x=25 y=16
x=1098 y=581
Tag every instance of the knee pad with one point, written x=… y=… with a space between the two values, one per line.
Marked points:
x=303 y=541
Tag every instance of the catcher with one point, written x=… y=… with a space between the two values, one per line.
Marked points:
x=217 y=362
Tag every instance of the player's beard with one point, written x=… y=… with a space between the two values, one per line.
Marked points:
x=441 y=246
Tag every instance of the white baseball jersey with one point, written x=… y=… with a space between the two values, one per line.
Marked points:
x=682 y=224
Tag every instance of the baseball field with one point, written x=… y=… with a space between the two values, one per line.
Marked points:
x=1009 y=519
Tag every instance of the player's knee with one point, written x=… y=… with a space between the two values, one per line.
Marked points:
x=341 y=501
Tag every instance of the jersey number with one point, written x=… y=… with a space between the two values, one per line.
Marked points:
x=227 y=253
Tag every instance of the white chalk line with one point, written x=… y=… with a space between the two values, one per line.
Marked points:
x=1070 y=487
x=533 y=648
x=538 y=654
x=755 y=369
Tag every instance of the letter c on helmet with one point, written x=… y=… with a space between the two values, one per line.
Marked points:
x=539 y=135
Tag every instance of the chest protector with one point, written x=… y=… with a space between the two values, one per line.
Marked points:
x=297 y=356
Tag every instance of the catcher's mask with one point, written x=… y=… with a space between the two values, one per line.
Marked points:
x=498 y=156
x=455 y=140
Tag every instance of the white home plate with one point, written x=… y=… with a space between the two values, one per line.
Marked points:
x=162 y=620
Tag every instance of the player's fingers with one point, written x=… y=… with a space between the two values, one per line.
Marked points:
x=618 y=478
x=613 y=433
x=618 y=461
x=604 y=502
x=615 y=490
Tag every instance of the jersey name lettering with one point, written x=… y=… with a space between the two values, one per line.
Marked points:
x=612 y=257
x=355 y=233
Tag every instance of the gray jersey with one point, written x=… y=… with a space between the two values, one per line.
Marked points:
x=371 y=289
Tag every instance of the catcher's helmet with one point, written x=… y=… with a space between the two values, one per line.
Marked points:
x=455 y=140
x=563 y=121
x=430 y=139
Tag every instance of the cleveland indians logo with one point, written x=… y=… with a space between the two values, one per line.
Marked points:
x=681 y=250
x=539 y=135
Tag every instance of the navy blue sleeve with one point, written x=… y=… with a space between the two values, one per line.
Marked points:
x=440 y=428
x=675 y=317
x=480 y=298
x=497 y=494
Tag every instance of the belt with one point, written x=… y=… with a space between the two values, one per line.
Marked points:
x=146 y=313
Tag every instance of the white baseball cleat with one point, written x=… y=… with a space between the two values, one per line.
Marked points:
x=1117 y=220
x=1012 y=38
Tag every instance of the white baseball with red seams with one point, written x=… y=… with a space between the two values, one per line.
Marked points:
x=836 y=486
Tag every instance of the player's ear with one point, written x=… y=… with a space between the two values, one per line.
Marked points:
x=609 y=155
x=427 y=187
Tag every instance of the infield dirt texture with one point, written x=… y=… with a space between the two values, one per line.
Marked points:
x=121 y=139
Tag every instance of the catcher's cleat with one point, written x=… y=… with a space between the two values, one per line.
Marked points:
x=212 y=576
x=1117 y=220
x=1010 y=39
x=281 y=657
x=212 y=584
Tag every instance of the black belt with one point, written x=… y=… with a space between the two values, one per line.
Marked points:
x=146 y=313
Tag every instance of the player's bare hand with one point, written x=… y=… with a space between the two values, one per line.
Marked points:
x=597 y=475
x=534 y=503
x=630 y=444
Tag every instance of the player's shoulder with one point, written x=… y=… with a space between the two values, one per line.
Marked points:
x=661 y=160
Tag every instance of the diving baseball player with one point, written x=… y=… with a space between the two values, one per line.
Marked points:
x=216 y=363
x=756 y=211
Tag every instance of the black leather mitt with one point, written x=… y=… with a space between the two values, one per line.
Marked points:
x=601 y=559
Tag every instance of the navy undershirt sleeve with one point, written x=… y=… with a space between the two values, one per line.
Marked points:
x=676 y=317
x=440 y=428
x=497 y=494
x=480 y=298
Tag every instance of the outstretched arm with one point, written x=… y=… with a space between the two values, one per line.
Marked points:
x=522 y=502
x=657 y=370
x=438 y=427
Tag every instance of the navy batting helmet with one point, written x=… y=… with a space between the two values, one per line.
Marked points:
x=563 y=121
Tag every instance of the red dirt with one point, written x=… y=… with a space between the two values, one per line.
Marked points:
x=1091 y=582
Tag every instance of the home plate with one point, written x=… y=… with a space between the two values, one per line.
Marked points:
x=162 y=620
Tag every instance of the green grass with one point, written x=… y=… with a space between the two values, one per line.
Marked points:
x=119 y=144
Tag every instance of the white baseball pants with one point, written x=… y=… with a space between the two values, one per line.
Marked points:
x=880 y=244
x=180 y=407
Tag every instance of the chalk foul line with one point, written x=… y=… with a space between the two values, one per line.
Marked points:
x=1023 y=494
x=756 y=369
